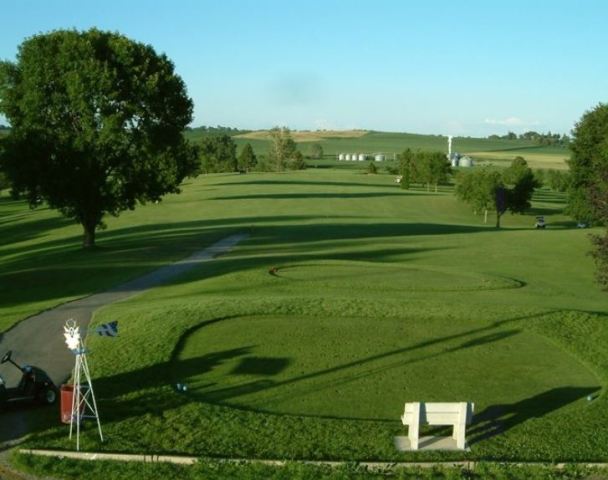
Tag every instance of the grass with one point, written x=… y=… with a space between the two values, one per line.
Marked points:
x=210 y=470
x=380 y=296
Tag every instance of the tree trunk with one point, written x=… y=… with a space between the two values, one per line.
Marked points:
x=497 y=220
x=88 y=239
x=485 y=216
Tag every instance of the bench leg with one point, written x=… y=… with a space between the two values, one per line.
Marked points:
x=413 y=431
x=460 y=428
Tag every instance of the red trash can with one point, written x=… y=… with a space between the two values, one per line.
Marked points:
x=67 y=394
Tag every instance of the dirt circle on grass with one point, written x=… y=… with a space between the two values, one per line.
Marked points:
x=375 y=276
x=366 y=368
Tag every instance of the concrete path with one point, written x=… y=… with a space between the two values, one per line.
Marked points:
x=39 y=341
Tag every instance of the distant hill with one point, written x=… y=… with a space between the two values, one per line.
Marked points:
x=497 y=151
x=307 y=135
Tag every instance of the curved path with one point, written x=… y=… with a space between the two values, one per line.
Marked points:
x=39 y=341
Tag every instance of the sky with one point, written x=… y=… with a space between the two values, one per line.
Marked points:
x=469 y=68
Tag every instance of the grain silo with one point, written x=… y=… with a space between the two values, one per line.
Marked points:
x=465 y=161
x=362 y=157
x=341 y=156
x=379 y=157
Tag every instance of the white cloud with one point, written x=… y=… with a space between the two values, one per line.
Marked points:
x=510 y=122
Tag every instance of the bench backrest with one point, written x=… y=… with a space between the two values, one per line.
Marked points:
x=438 y=413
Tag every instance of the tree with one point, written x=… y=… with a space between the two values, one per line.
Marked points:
x=520 y=180
x=97 y=125
x=371 y=168
x=588 y=192
x=282 y=147
x=406 y=165
x=487 y=189
x=218 y=154
x=439 y=168
x=297 y=162
x=589 y=167
x=247 y=159
x=480 y=189
x=558 y=180
x=432 y=168
x=316 y=151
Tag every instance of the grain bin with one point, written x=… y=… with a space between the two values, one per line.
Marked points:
x=362 y=157
x=465 y=162
x=347 y=156
x=341 y=156
x=379 y=157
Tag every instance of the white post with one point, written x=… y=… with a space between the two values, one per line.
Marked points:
x=413 y=431
x=461 y=426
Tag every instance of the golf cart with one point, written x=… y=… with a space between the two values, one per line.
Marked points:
x=35 y=386
x=540 y=222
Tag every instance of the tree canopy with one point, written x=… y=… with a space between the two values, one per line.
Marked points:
x=218 y=154
x=316 y=151
x=429 y=168
x=282 y=148
x=247 y=159
x=96 y=124
x=588 y=194
x=486 y=189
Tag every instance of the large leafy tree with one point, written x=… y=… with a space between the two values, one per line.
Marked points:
x=490 y=190
x=588 y=195
x=96 y=125
x=218 y=154
x=521 y=182
x=282 y=147
x=481 y=190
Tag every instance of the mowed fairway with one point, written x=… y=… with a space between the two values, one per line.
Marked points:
x=376 y=296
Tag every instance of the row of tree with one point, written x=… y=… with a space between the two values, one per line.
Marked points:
x=539 y=138
x=217 y=130
x=218 y=153
x=487 y=189
x=426 y=168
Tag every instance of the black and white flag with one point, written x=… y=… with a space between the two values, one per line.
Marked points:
x=108 y=329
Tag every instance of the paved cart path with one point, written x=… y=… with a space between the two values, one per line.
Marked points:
x=39 y=341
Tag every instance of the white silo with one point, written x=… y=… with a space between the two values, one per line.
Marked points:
x=465 y=162
x=362 y=157
x=341 y=156
x=379 y=157
x=347 y=156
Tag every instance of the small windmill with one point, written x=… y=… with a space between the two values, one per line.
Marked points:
x=83 y=398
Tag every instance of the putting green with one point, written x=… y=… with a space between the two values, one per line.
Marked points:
x=371 y=276
x=366 y=368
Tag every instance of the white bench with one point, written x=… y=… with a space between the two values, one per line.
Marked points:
x=458 y=415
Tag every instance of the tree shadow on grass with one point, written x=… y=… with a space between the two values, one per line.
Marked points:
x=150 y=391
x=310 y=195
x=59 y=268
x=497 y=419
x=177 y=370
x=308 y=183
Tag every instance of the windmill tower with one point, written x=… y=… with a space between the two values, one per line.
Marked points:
x=83 y=399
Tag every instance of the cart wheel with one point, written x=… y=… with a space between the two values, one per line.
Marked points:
x=48 y=396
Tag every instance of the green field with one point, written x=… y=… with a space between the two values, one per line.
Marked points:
x=483 y=150
x=380 y=296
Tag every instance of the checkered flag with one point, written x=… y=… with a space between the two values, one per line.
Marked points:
x=108 y=329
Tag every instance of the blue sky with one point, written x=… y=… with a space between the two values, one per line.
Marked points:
x=444 y=67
